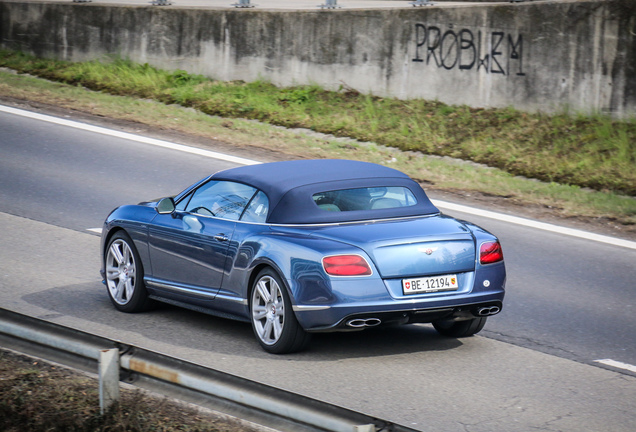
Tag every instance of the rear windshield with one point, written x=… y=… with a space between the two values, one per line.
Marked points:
x=371 y=198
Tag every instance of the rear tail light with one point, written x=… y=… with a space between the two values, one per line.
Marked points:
x=346 y=265
x=490 y=252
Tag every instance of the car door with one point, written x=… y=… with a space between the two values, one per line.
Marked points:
x=189 y=248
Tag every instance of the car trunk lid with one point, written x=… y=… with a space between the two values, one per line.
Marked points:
x=410 y=247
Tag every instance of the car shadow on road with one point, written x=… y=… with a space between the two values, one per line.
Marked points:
x=193 y=330
x=380 y=341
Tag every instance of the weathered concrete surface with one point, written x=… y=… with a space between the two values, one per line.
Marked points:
x=534 y=55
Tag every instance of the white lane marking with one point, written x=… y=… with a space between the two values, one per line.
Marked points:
x=617 y=364
x=242 y=161
x=129 y=136
x=95 y=230
x=537 y=225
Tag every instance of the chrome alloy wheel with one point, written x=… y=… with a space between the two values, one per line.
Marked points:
x=121 y=272
x=268 y=310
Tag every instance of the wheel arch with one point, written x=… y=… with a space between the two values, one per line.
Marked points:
x=111 y=233
x=255 y=272
x=106 y=239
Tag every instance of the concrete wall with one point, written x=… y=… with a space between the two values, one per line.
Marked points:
x=533 y=55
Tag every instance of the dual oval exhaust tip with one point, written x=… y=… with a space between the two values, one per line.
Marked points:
x=488 y=311
x=364 y=322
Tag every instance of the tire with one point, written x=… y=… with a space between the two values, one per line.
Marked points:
x=273 y=321
x=125 y=275
x=460 y=329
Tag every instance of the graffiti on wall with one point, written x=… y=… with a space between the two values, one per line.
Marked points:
x=493 y=52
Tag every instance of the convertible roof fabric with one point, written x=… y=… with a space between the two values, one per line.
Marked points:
x=290 y=186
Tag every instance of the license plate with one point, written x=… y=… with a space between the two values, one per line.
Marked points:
x=430 y=284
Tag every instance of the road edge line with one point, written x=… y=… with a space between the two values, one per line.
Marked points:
x=617 y=364
x=129 y=136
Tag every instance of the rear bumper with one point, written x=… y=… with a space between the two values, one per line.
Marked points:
x=348 y=318
x=383 y=303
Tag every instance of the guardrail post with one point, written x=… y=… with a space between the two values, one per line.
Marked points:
x=108 y=378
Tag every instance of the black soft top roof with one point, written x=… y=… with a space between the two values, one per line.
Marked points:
x=290 y=187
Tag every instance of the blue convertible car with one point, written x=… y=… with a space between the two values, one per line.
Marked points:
x=305 y=246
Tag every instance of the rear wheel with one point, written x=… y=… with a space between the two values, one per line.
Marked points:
x=125 y=275
x=460 y=328
x=273 y=319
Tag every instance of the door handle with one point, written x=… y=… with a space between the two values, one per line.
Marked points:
x=221 y=237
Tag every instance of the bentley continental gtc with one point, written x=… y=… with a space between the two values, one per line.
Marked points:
x=306 y=246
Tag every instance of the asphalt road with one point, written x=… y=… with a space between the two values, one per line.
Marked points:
x=569 y=303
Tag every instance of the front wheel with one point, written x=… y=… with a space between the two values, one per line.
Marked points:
x=125 y=275
x=460 y=328
x=273 y=320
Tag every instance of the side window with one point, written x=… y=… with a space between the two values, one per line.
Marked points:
x=257 y=210
x=222 y=199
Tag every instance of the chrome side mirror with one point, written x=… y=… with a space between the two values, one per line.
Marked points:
x=165 y=206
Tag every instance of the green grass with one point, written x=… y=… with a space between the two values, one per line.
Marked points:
x=569 y=154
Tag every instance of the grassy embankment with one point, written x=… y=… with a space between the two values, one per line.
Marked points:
x=586 y=165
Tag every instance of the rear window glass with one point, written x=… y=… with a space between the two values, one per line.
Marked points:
x=373 y=198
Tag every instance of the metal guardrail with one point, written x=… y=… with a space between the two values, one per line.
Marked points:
x=226 y=393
